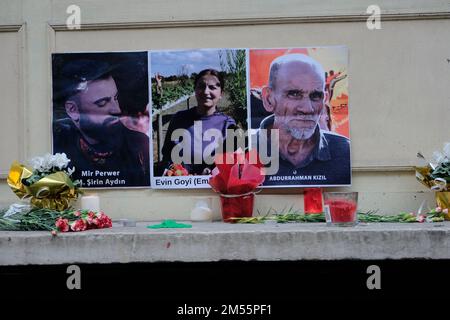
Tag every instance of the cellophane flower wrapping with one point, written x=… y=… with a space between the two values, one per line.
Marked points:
x=436 y=173
x=235 y=178
x=237 y=173
x=46 y=182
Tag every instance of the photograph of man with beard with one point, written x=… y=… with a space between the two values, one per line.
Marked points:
x=104 y=152
x=295 y=97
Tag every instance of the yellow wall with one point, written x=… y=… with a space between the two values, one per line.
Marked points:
x=399 y=79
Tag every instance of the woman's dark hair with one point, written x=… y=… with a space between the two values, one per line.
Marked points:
x=211 y=72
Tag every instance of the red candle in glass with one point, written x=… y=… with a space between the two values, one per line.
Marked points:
x=342 y=207
x=342 y=210
x=312 y=199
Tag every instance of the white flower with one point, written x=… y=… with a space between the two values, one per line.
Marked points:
x=47 y=165
x=438 y=158
x=447 y=150
x=49 y=162
x=36 y=163
x=60 y=161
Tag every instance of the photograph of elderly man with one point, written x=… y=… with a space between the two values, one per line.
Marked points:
x=294 y=101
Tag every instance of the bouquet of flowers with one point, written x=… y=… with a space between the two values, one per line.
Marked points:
x=235 y=178
x=175 y=170
x=237 y=173
x=46 y=182
x=436 y=174
x=24 y=218
x=83 y=220
x=434 y=215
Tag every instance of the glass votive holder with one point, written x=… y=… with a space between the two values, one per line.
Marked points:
x=312 y=199
x=236 y=206
x=341 y=208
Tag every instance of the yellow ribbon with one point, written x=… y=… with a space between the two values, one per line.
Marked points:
x=54 y=191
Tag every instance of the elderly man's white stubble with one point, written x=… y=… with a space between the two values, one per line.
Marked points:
x=296 y=97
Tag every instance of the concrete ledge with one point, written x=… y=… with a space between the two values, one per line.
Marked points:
x=220 y=241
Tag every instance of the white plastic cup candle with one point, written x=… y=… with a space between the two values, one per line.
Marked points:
x=202 y=211
x=90 y=202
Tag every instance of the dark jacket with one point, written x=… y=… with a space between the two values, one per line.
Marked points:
x=185 y=119
x=328 y=164
x=126 y=167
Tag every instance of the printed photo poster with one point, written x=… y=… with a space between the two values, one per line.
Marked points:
x=101 y=117
x=196 y=96
x=303 y=93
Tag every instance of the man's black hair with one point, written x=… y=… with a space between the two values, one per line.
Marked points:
x=74 y=75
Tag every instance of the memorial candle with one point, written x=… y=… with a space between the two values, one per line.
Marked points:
x=342 y=210
x=312 y=198
x=342 y=207
x=202 y=211
x=90 y=202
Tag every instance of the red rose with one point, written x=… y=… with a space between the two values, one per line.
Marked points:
x=62 y=224
x=78 y=225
